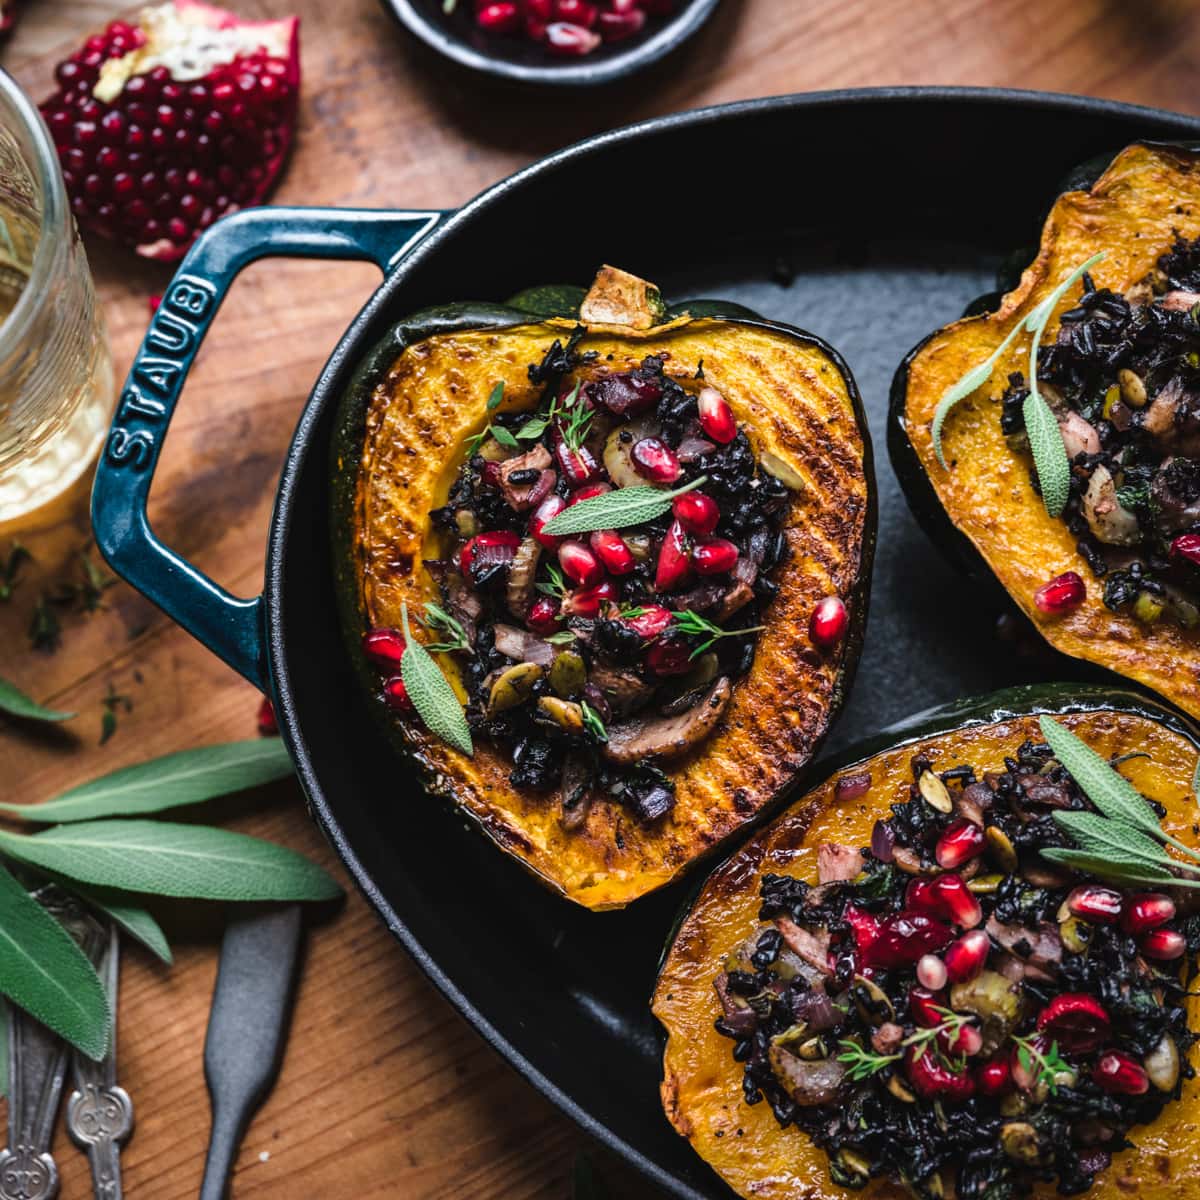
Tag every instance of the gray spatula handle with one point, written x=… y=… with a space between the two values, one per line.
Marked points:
x=247 y=1028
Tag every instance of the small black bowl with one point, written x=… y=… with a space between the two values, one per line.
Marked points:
x=522 y=61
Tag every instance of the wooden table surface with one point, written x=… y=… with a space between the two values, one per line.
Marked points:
x=385 y=1092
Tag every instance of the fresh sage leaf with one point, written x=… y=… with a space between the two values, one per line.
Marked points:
x=1114 y=840
x=431 y=693
x=135 y=921
x=14 y=702
x=167 y=859
x=618 y=509
x=44 y=972
x=187 y=777
x=1103 y=868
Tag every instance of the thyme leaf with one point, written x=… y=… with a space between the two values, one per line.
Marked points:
x=437 y=618
x=692 y=624
x=863 y=1063
x=592 y=722
x=556 y=587
x=1044 y=1065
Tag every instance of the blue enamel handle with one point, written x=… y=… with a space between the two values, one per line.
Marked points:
x=230 y=626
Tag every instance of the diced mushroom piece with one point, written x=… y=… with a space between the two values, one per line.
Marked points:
x=701 y=598
x=522 y=578
x=523 y=646
x=813 y=948
x=1079 y=436
x=837 y=863
x=530 y=486
x=734 y=600
x=576 y=793
x=1040 y=947
x=668 y=737
x=810 y=1083
x=624 y=690
x=1158 y=420
x=1108 y=521
x=464 y=605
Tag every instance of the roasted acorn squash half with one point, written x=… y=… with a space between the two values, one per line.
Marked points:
x=759 y=1157
x=424 y=392
x=981 y=505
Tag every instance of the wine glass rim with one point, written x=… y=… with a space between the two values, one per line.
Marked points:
x=54 y=229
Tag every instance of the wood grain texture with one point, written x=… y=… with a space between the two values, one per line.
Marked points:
x=384 y=1091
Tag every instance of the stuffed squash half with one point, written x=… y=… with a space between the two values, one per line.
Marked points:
x=1059 y=435
x=963 y=965
x=604 y=567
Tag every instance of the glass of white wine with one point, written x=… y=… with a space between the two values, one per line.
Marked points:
x=56 y=383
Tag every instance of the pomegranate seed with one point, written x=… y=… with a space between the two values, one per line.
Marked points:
x=586 y=602
x=543 y=616
x=965 y=1040
x=1163 y=945
x=542 y=516
x=966 y=958
x=653 y=459
x=716 y=417
x=668 y=656
x=485 y=552
x=714 y=557
x=674 y=565
x=696 y=512
x=921 y=897
x=994 y=1078
x=1077 y=1022
x=616 y=26
x=1147 y=911
x=609 y=547
x=923 y=1007
x=1120 y=1074
x=865 y=929
x=267 y=725
x=962 y=841
x=395 y=695
x=570 y=41
x=905 y=936
x=578 y=466
x=1187 y=546
x=1100 y=905
x=589 y=492
x=499 y=18
x=931 y=972
x=577 y=12
x=933 y=1078
x=152 y=124
x=579 y=564
x=1061 y=594
x=653 y=620
x=957 y=902
x=827 y=625
x=384 y=648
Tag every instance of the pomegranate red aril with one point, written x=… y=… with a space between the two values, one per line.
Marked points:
x=1062 y=594
x=716 y=417
x=579 y=564
x=827 y=625
x=923 y=1006
x=961 y=841
x=570 y=41
x=715 y=556
x=957 y=902
x=587 y=602
x=674 y=562
x=268 y=726
x=1162 y=945
x=499 y=18
x=384 y=648
x=543 y=616
x=1148 y=910
x=589 y=491
x=921 y=897
x=650 y=622
x=654 y=460
x=577 y=12
x=696 y=512
x=1078 y=1022
x=1099 y=905
x=138 y=100
x=1187 y=547
x=964 y=1040
x=905 y=936
x=395 y=695
x=994 y=1078
x=931 y=972
x=932 y=1078
x=1120 y=1074
x=616 y=26
x=865 y=929
x=668 y=656
x=578 y=466
x=610 y=549
x=486 y=551
x=966 y=957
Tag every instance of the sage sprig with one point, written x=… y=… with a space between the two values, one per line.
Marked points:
x=431 y=693
x=618 y=509
x=1045 y=440
x=14 y=702
x=1123 y=841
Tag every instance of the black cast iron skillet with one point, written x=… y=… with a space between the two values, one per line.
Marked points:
x=867 y=217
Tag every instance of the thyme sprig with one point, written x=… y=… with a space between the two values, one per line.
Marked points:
x=864 y=1063
x=574 y=420
x=557 y=585
x=454 y=635
x=502 y=435
x=592 y=722
x=1045 y=1066
x=692 y=624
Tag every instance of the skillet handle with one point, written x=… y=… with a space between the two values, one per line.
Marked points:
x=228 y=625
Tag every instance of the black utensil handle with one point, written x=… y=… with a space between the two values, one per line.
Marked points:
x=247 y=1028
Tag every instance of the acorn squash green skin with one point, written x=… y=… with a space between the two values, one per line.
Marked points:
x=557 y=301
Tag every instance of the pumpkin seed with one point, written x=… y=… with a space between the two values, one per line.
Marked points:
x=512 y=687
x=1076 y=935
x=1013 y=1104
x=851 y=1169
x=935 y=792
x=1133 y=390
x=1020 y=1142
x=1147 y=608
x=564 y=713
x=783 y=471
x=1001 y=849
x=1162 y=1064
x=871 y=1001
x=991 y=998
x=464 y=520
x=901 y=1090
x=791 y=1036
x=492 y=451
x=639 y=545
x=568 y=674
x=985 y=885
x=813 y=1049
